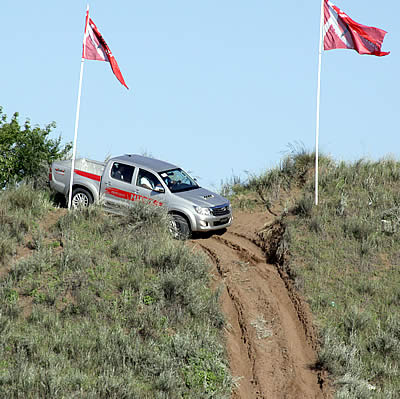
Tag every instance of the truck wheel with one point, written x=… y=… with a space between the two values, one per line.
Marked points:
x=180 y=228
x=81 y=198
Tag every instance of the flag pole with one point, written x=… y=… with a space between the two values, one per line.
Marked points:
x=77 y=115
x=318 y=100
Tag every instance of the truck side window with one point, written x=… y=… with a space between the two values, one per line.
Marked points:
x=122 y=172
x=147 y=180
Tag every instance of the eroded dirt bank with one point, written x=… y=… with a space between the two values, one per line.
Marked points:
x=270 y=340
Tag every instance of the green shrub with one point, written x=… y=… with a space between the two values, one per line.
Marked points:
x=344 y=256
x=25 y=151
x=119 y=309
x=304 y=206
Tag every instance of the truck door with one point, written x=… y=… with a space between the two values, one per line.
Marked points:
x=149 y=188
x=118 y=188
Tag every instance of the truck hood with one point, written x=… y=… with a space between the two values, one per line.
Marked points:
x=202 y=197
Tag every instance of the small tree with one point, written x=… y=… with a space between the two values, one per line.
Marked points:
x=25 y=150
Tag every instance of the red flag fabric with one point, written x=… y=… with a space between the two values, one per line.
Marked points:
x=340 y=31
x=96 y=48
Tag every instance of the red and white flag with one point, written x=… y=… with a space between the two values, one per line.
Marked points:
x=340 y=31
x=96 y=48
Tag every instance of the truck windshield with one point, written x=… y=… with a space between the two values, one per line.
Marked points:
x=178 y=180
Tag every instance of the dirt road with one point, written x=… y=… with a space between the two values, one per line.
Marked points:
x=269 y=336
x=270 y=344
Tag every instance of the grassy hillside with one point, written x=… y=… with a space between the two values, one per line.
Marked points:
x=101 y=306
x=344 y=255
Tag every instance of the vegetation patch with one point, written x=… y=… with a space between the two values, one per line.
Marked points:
x=343 y=255
x=108 y=307
x=27 y=151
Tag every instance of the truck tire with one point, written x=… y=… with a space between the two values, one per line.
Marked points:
x=180 y=227
x=81 y=198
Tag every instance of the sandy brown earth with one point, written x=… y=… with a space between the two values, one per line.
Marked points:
x=271 y=344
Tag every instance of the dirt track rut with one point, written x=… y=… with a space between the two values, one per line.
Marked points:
x=270 y=346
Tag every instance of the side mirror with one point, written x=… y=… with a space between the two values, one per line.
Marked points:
x=158 y=189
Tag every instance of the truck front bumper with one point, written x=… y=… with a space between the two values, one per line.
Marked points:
x=208 y=223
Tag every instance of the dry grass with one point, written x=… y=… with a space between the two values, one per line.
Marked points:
x=344 y=256
x=107 y=307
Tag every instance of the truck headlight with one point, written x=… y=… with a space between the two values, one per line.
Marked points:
x=202 y=211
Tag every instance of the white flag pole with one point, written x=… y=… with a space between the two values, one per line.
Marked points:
x=77 y=116
x=318 y=101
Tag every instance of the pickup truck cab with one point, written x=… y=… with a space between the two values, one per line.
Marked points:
x=128 y=178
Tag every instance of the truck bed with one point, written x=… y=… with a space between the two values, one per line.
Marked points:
x=83 y=164
x=87 y=173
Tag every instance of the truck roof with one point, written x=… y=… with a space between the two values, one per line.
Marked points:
x=146 y=162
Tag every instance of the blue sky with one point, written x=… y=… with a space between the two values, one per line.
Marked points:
x=217 y=87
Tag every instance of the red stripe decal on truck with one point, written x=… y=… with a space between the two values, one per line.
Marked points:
x=88 y=175
x=116 y=192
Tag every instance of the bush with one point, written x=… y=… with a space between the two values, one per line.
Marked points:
x=20 y=206
x=120 y=309
x=344 y=255
x=26 y=151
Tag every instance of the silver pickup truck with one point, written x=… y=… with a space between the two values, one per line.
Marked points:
x=128 y=178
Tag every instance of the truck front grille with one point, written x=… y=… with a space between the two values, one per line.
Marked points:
x=220 y=210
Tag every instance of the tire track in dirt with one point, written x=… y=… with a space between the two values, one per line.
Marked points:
x=237 y=323
x=299 y=304
x=270 y=344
